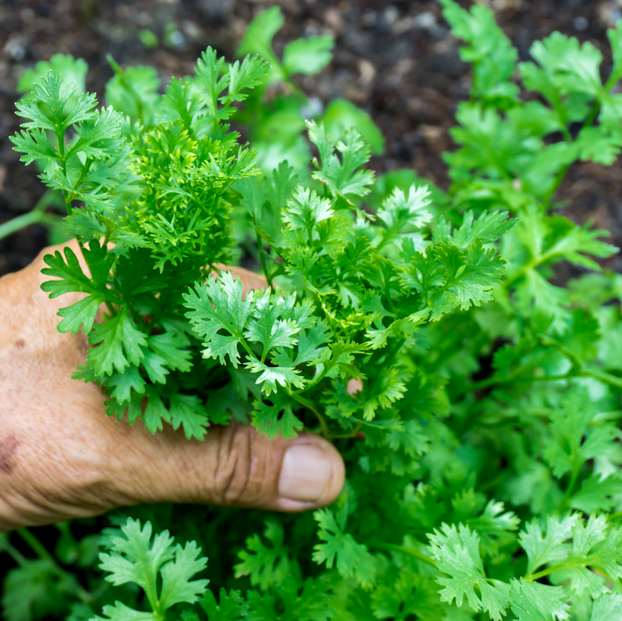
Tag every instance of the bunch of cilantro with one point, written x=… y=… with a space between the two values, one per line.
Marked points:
x=483 y=445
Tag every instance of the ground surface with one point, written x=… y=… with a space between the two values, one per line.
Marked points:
x=397 y=61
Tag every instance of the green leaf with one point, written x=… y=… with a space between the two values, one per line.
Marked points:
x=81 y=314
x=258 y=38
x=69 y=271
x=34 y=146
x=118 y=343
x=121 y=612
x=276 y=418
x=599 y=145
x=408 y=209
x=491 y=52
x=266 y=565
x=123 y=384
x=486 y=228
x=456 y=552
x=71 y=71
x=285 y=376
x=36 y=589
x=134 y=92
x=341 y=116
x=215 y=306
x=550 y=547
x=341 y=176
x=188 y=412
x=177 y=584
x=162 y=570
x=308 y=56
x=533 y=600
x=306 y=209
x=607 y=608
x=245 y=75
x=339 y=548
x=408 y=594
x=172 y=348
x=573 y=67
x=231 y=606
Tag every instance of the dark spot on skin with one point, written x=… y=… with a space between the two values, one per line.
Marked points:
x=20 y=343
x=8 y=448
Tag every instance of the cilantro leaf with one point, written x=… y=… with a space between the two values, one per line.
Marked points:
x=456 y=552
x=267 y=565
x=162 y=570
x=352 y=559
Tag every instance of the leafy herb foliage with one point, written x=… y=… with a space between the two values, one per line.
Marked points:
x=481 y=432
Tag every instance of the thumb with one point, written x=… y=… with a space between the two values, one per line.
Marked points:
x=234 y=466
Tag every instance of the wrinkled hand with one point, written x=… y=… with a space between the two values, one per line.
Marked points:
x=61 y=457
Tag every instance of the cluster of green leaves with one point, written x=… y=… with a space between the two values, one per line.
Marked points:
x=275 y=113
x=154 y=218
x=475 y=399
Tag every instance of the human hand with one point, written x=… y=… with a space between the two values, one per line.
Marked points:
x=61 y=457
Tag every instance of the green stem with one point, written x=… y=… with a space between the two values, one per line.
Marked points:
x=262 y=258
x=25 y=220
x=392 y=547
x=352 y=434
x=564 y=169
x=36 y=545
x=387 y=292
x=63 y=159
x=15 y=554
x=325 y=430
x=562 y=566
x=43 y=553
x=36 y=216
x=511 y=379
x=130 y=88
x=571 y=484
x=602 y=376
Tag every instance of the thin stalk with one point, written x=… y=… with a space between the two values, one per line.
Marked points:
x=511 y=379
x=564 y=169
x=43 y=553
x=325 y=431
x=36 y=216
x=392 y=352
x=262 y=258
x=392 y=547
x=561 y=567
x=352 y=434
x=130 y=87
x=63 y=159
x=36 y=545
x=387 y=292
x=576 y=469
x=25 y=220
x=603 y=376
x=15 y=554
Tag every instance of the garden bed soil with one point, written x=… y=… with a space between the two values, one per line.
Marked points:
x=398 y=62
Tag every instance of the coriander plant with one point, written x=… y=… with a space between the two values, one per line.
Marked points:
x=482 y=437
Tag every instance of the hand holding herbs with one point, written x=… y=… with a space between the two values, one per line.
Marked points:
x=62 y=458
x=483 y=377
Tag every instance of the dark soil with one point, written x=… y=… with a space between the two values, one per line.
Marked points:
x=398 y=62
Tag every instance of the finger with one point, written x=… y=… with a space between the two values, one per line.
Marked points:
x=235 y=466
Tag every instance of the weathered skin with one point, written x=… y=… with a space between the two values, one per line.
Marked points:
x=61 y=457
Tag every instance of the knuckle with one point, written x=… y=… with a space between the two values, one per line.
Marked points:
x=240 y=476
